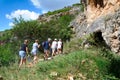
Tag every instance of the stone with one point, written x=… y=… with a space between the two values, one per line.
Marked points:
x=53 y=74
x=105 y=20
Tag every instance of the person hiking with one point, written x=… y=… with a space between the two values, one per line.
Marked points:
x=59 y=47
x=46 y=47
x=34 y=51
x=54 y=47
x=22 y=53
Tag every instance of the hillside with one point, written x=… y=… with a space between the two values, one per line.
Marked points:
x=70 y=10
x=87 y=49
x=77 y=65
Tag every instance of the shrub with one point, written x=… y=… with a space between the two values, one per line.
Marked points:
x=34 y=30
x=7 y=55
x=58 y=11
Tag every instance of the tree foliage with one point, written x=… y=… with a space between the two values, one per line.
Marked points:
x=6 y=35
x=35 y=30
x=26 y=29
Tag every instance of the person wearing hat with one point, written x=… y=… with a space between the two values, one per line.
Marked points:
x=54 y=47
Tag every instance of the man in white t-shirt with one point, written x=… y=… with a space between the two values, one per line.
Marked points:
x=54 y=47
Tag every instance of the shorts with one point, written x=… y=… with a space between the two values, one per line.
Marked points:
x=22 y=54
x=59 y=49
x=46 y=48
x=54 y=50
x=34 y=52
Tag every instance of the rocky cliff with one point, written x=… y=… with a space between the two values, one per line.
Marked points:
x=100 y=16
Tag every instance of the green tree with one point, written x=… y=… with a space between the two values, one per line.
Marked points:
x=26 y=29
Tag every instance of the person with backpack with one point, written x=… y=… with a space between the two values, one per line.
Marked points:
x=46 y=47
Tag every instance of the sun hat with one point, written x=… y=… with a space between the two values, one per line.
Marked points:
x=55 y=39
x=49 y=39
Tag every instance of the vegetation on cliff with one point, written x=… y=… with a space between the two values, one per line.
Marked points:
x=94 y=62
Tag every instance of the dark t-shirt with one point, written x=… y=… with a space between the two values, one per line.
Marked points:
x=23 y=47
x=46 y=45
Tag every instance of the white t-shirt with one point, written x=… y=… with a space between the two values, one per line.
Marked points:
x=35 y=46
x=54 y=44
x=59 y=45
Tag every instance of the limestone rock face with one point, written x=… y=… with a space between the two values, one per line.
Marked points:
x=98 y=8
x=109 y=25
x=101 y=16
x=79 y=24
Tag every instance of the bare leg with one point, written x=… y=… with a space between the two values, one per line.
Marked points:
x=35 y=58
x=24 y=61
x=46 y=54
x=21 y=62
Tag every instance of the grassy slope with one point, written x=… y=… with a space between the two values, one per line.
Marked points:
x=82 y=64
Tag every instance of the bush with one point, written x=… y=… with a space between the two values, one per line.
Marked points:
x=34 y=30
x=7 y=55
x=6 y=36
x=115 y=67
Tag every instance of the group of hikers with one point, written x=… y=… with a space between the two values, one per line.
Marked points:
x=51 y=48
